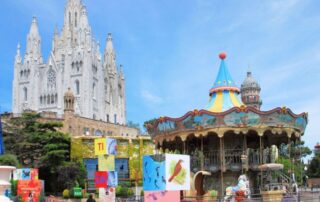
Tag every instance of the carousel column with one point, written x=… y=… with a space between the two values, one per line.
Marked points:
x=202 y=156
x=289 y=151
x=222 y=165
x=261 y=156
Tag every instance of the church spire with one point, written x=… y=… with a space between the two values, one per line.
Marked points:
x=110 y=56
x=18 y=55
x=34 y=41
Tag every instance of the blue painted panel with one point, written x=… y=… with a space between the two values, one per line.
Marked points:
x=122 y=167
x=91 y=167
x=154 y=173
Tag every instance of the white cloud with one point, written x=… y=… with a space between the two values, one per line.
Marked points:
x=150 y=97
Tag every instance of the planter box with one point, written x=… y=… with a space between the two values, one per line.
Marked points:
x=272 y=196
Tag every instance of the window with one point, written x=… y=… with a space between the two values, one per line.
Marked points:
x=51 y=79
x=115 y=118
x=77 y=87
x=75 y=19
x=94 y=90
x=25 y=94
x=69 y=19
x=107 y=117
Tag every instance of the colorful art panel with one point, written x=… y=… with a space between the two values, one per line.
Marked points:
x=106 y=163
x=25 y=174
x=177 y=170
x=154 y=178
x=34 y=174
x=112 y=146
x=161 y=196
x=122 y=167
x=107 y=194
x=29 y=190
x=100 y=146
x=101 y=179
x=112 y=179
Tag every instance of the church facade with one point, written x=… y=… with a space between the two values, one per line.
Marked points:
x=75 y=63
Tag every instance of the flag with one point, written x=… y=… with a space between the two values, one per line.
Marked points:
x=1 y=139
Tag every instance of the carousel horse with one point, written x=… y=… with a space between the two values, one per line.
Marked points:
x=243 y=185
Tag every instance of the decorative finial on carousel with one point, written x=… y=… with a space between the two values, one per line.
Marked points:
x=222 y=55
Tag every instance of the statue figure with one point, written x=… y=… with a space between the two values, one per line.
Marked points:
x=243 y=185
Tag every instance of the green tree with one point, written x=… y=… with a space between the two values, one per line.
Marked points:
x=71 y=174
x=38 y=144
x=314 y=166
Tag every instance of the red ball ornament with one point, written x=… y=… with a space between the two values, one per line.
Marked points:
x=111 y=189
x=222 y=55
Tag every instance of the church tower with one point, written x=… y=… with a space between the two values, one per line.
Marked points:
x=250 y=92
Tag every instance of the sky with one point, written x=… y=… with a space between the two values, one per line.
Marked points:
x=169 y=50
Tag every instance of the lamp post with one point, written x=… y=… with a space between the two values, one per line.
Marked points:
x=305 y=177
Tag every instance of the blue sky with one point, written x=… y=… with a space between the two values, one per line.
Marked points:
x=169 y=49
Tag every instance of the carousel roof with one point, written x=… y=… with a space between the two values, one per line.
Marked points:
x=224 y=93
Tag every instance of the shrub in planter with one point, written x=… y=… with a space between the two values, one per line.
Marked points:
x=129 y=192
x=66 y=193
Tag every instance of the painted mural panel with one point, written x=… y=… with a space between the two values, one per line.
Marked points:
x=167 y=126
x=29 y=190
x=91 y=167
x=205 y=120
x=162 y=196
x=22 y=174
x=106 y=162
x=107 y=194
x=112 y=179
x=111 y=146
x=154 y=176
x=300 y=123
x=122 y=167
x=242 y=118
x=101 y=179
x=177 y=172
x=279 y=119
x=100 y=146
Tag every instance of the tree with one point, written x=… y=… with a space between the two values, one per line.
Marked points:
x=39 y=145
x=296 y=152
x=314 y=167
x=71 y=174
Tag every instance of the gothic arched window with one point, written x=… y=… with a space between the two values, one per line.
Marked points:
x=25 y=94
x=94 y=90
x=77 y=87
x=75 y=19
x=51 y=79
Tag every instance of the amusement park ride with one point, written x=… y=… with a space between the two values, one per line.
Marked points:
x=230 y=138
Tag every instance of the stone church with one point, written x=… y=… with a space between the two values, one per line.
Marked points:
x=74 y=62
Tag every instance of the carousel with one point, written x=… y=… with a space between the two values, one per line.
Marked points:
x=231 y=136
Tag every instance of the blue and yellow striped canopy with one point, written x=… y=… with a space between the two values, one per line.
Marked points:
x=224 y=94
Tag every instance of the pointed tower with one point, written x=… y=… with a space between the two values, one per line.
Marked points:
x=224 y=93
x=250 y=92
x=33 y=52
x=110 y=56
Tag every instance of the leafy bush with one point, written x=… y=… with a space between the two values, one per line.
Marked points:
x=142 y=193
x=212 y=193
x=129 y=192
x=66 y=193
x=14 y=184
x=9 y=160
